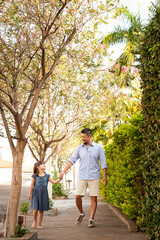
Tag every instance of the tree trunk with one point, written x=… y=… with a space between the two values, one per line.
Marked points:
x=66 y=181
x=15 y=191
x=25 y=214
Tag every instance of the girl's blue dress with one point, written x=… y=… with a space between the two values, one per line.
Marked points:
x=40 y=199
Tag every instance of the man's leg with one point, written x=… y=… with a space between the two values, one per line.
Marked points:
x=93 y=210
x=93 y=206
x=80 y=192
x=94 y=193
x=78 y=200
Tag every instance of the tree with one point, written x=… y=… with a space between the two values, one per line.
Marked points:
x=56 y=119
x=65 y=102
x=118 y=103
x=130 y=34
x=34 y=36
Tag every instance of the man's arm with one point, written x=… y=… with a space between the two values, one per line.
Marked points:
x=104 y=176
x=68 y=165
x=103 y=165
x=71 y=161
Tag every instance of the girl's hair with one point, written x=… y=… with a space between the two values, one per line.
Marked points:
x=35 y=167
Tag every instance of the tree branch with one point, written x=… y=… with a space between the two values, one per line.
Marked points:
x=60 y=51
x=7 y=129
x=35 y=99
x=16 y=117
x=10 y=107
x=33 y=105
x=28 y=101
x=51 y=153
x=32 y=152
x=55 y=140
x=43 y=55
x=55 y=18
x=38 y=131
x=6 y=94
x=31 y=58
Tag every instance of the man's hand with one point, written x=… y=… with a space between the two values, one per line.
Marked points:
x=105 y=180
x=61 y=175
x=68 y=165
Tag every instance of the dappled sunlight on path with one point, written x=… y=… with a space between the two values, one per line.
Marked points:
x=108 y=225
x=62 y=226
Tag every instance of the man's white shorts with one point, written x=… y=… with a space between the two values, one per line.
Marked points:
x=93 y=186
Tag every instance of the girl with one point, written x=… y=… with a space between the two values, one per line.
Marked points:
x=38 y=189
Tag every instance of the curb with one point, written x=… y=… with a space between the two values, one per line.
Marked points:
x=28 y=236
x=132 y=227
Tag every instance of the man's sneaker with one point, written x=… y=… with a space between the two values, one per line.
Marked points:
x=91 y=223
x=80 y=218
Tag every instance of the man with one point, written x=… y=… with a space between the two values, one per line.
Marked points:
x=89 y=153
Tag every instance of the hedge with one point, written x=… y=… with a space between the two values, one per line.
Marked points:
x=150 y=83
x=125 y=156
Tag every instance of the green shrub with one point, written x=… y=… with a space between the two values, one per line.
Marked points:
x=50 y=204
x=19 y=232
x=58 y=189
x=150 y=83
x=25 y=206
x=125 y=188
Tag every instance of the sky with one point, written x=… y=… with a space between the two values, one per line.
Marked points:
x=134 y=6
x=143 y=5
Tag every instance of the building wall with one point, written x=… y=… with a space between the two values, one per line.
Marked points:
x=5 y=176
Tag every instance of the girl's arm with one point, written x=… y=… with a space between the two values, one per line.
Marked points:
x=54 y=181
x=31 y=188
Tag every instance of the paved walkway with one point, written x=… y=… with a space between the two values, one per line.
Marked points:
x=63 y=227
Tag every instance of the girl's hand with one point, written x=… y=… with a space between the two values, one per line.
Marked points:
x=58 y=180
x=61 y=175
x=29 y=197
x=54 y=181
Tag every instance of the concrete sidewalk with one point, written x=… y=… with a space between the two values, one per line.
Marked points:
x=63 y=227
x=4 y=196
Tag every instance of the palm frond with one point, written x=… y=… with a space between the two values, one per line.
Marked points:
x=127 y=57
x=131 y=18
x=117 y=36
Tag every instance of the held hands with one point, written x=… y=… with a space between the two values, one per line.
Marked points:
x=61 y=175
x=55 y=181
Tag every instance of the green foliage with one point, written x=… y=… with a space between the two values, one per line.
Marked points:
x=58 y=189
x=25 y=206
x=150 y=82
x=19 y=232
x=130 y=33
x=124 y=154
x=50 y=204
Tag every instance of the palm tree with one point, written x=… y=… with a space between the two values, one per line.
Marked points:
x=130 y=34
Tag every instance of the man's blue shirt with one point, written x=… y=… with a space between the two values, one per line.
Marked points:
x=89 y=168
